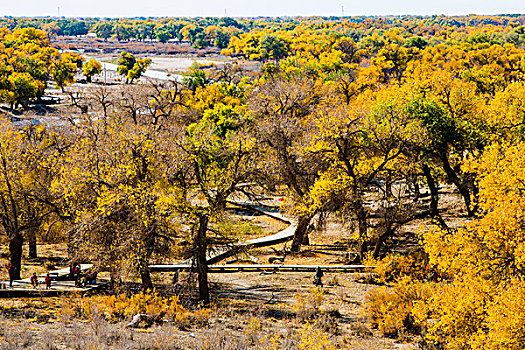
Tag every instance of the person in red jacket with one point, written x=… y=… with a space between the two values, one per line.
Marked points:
x=34 y=280
x=47 y=280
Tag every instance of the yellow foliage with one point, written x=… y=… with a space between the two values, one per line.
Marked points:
x=311 y=338
x=393 y=267
x=308 y=304
x=505 y=320
x=308 y=337
x=118 y=307
x=483 y=306
x=390 y=309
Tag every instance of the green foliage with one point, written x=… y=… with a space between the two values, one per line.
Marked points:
x=121 y=31
x=273 y=47
x=222 y=39
x=416 y=41
x=441 y=127
x=162 y=35
x=73 y=27
x=195 y=78
x=103 y=30
x=131 y=67
x=200 y=41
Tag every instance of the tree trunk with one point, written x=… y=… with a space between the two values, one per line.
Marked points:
x=362 y=224
x=381 y=240
x=114 y=284
x=31 y=239
x=414 y=186
x=200 y=257
x=388 y=185
x=434 y=197
x=462 y=187
x=390 y=229
x=300 y=232
x=417 y=191
x=149 y=247
x=145 y=277
x=15 y=249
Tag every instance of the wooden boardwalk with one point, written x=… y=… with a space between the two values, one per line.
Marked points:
x=268 y=268
x=217 y=254
x=59 y=285
x=220 y=253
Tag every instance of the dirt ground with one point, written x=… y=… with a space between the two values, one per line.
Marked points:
x=248 y=309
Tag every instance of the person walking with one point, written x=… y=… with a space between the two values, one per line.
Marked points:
x=11 y=270
x=34 y=280
x=318 y=275
x=47 y=280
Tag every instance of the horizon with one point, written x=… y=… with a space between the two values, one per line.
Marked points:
x=269 y=8
x=262 y=16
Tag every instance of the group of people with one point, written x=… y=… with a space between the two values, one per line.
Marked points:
x=34 y=280
x=11 y=270
x=79 y=277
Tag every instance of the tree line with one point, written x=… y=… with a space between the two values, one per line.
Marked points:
x=219 y=32
x=28 y=63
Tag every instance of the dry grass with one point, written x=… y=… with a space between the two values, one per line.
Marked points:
x=250 y=311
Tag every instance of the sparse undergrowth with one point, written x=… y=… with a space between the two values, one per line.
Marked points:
x=308 y=322
x=390 y=309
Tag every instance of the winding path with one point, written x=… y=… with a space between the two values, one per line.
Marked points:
x=217 y=254
x=220 y=253
x=24 y=288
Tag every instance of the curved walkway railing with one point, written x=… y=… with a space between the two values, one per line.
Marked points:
x=220 y=253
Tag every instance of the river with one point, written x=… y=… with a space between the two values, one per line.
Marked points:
x=155 y=74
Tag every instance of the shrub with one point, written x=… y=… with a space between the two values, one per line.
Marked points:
x=312 y=338
x=119 y=307
x=306 y=306
x=334 y=281
x=308 y=337
x=458 y=315
x=394 y=267
x=390 y=309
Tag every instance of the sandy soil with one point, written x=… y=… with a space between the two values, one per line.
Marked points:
x=178 y=64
